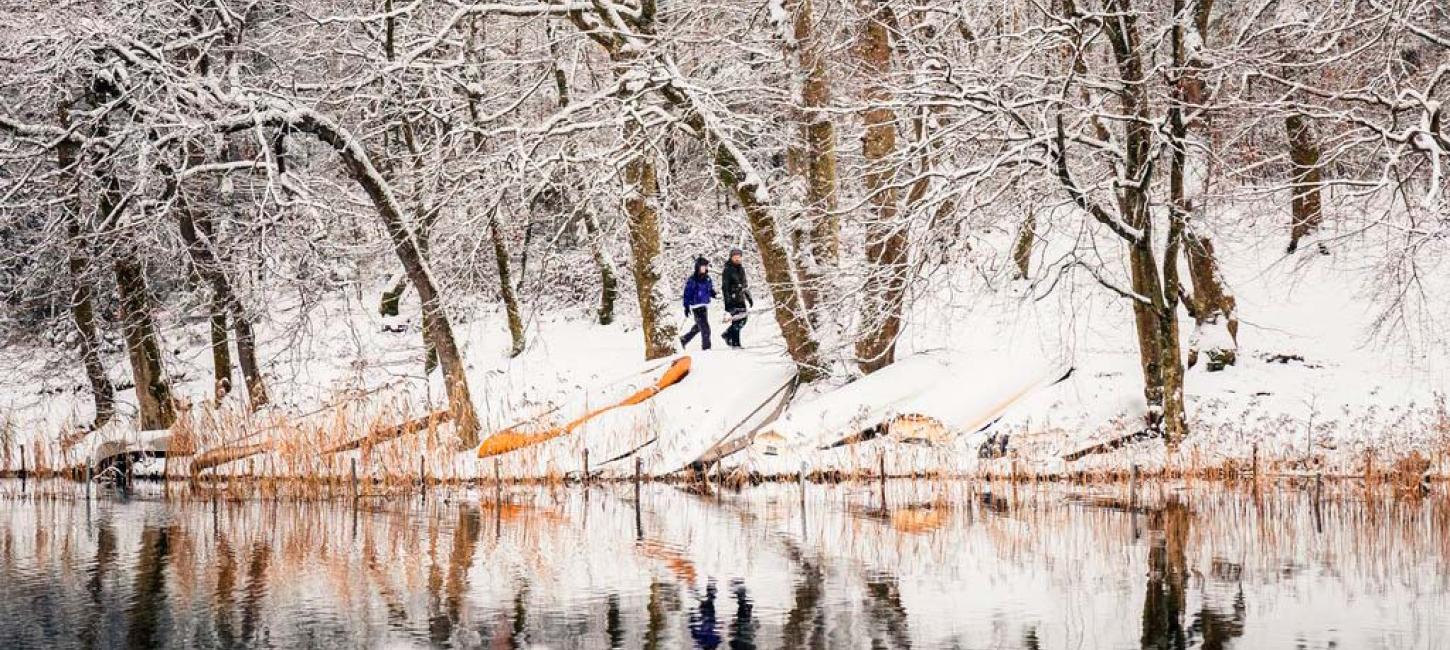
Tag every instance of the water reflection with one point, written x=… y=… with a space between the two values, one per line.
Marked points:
x=935 y=565
x=1166 y=599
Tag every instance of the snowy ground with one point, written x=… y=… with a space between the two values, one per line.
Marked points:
x=1345 y=397
x=1346 y=392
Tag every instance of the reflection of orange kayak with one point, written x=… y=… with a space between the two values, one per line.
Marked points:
x=514 y=438
x=918 y=520
x=510 y=512
x=674 y=560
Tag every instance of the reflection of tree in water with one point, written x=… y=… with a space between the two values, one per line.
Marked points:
x=96 y=584
x=448 y=607
x=885 y=612
x=520 y=636
x=170 y=593
x=1166 y=596
x=144 y=625
x=662 y=600
x=1216 y=629
x=742 y=631
x=805 y=623
x=614 y=622
x=226 y=581
x=256 y=590
x=381 y=582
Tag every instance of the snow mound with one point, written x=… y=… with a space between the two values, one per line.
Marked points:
x=722 y=397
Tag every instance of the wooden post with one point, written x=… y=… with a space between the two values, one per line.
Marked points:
x=1133 y=485
x=422 y=477
x=354 y=481
x=88 y=480
x=638 y=473
x=638 y=515
x=1255 y=474
x=497 y=485
x=586 y=466
x=801 y=480
x=882 y=463
x=22 y=468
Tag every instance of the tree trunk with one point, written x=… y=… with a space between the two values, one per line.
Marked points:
x=1022 y=250
x=1155 y=320
x=153 y=391
x=1305 y=178
x=820 y=134
x=1170 y=358
x=424 y=215
x=529 y=228
x=608 y=280
x=393 y=296
x=641 y=208
x=196 y=233
x=247 y=356
x=1213 y=305
x=816 y=159
x=511 y=303
x=790 y=312
x=82 y=309
x=435 y=320
x=221 y=354
x=500 y=248
x=644 y=246
x=884 y=292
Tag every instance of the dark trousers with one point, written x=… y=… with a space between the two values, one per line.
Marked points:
x=737 y=323
x=702 y=327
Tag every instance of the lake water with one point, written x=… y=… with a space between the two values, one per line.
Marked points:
x=938 y=565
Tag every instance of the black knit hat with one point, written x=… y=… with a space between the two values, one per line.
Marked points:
x=701 y=261
x=736 y=251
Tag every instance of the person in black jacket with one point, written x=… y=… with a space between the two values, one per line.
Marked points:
x=737 y=297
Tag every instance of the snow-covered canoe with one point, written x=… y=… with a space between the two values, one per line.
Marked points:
x=926 y=398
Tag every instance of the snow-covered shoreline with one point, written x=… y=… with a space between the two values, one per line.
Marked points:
x=1312 y=391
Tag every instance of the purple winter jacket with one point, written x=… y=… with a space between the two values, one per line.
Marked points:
x=698 y=290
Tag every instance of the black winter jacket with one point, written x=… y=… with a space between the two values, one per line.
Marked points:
x=737 y=289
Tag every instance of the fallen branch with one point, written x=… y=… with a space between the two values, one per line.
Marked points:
x=1114 y=444
x=397 y=431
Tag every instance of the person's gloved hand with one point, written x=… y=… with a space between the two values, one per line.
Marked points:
x=687 y=311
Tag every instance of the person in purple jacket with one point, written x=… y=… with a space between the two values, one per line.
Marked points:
x=699 y=289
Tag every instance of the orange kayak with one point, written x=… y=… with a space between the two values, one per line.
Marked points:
x=518 y=437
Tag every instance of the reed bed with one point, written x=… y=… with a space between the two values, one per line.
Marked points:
x=391 y=439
